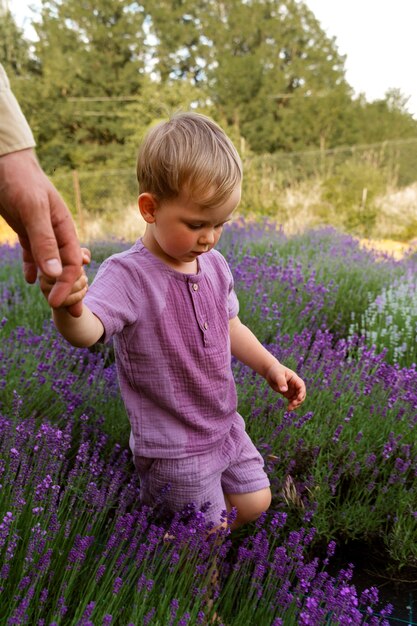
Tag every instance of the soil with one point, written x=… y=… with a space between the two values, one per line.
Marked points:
x=398 y=589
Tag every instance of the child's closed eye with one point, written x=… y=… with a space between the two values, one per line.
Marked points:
x=199 y=226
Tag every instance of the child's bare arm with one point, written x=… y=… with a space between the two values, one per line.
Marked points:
x=248 y=349
x=83 y=331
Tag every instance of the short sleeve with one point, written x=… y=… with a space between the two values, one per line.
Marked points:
x=233 y=299
x=233 y=302
x=15 y=133
x=114 y=296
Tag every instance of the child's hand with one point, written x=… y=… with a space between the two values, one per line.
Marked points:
x=286 y=382
x=79 y=288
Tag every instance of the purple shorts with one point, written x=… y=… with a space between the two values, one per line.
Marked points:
x=233 y=467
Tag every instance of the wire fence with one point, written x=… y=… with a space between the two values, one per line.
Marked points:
x=348 y=177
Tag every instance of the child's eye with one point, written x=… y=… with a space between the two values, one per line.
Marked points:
x=194 y=226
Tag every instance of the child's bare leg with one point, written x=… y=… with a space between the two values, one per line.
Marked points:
x=249 y=506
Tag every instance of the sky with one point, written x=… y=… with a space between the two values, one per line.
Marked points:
x=379 y=40
x=377 y=36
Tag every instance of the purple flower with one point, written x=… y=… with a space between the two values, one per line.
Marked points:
x=278 y=521
x=148 y=617
x=331 y=548
x=118 y=582
x=78 y=552
x=369 y=596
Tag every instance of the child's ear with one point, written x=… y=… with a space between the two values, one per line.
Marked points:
x=147 y=205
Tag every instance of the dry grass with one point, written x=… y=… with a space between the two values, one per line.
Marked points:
x=395 y=230
x=7 y=235
x=300 y=204
x=397 y=214
x=301 y=208
x=127 y=225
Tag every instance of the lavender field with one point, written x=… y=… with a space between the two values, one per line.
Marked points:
x=77 y=548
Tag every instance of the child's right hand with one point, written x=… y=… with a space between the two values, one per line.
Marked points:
x=79 y=288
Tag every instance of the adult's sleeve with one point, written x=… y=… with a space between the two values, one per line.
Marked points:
x=114 y=297
x=15 y=132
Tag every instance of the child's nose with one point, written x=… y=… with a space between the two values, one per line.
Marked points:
x=207 y=237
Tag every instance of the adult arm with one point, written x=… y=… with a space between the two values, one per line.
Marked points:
x=32 y=206
x=249 y=350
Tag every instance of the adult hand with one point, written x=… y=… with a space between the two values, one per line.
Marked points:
x=79 y=288
x=32 y=206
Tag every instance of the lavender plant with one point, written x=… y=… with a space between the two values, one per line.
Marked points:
x=348 y=461
x=390 y=321
x=75 y=546
x=306 y=280
x=42 y=375
x=20 y=303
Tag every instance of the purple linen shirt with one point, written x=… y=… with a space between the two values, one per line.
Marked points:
x=172 y=346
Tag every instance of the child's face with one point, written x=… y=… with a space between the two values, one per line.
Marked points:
x=181 y=230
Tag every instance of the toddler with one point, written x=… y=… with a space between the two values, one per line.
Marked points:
x=170 y=305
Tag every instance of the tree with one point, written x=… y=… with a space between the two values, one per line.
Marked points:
x=254 y=58
x=14 y=49
x=179 y=38
x=385 y=119
x=91 y=57
x=15 y=56
x=102 y=71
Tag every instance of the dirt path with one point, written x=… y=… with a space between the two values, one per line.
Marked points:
x=396 y=249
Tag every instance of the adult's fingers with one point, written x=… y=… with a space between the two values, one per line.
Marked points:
x=30 y=270
x=43 y=244
x=35 y=210
x=69 y=250
x=24 y=202
x=76 y=309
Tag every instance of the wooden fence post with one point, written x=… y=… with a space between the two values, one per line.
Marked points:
x=78 y=203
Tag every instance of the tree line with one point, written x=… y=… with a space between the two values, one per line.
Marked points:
x=101 y=71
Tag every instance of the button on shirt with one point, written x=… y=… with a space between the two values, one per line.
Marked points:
x=172 y=346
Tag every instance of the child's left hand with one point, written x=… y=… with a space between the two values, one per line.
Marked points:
x=287 y=383
x=79 y=288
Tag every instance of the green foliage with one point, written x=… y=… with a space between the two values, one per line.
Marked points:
x=20 y=303
x=344 y=459
x=98 y=194
x=351 y=191
x=14 y=49
x=91 y=59
x=386 y=118
x=102 y=71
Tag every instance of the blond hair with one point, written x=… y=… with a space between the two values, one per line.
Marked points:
x=189 y=153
